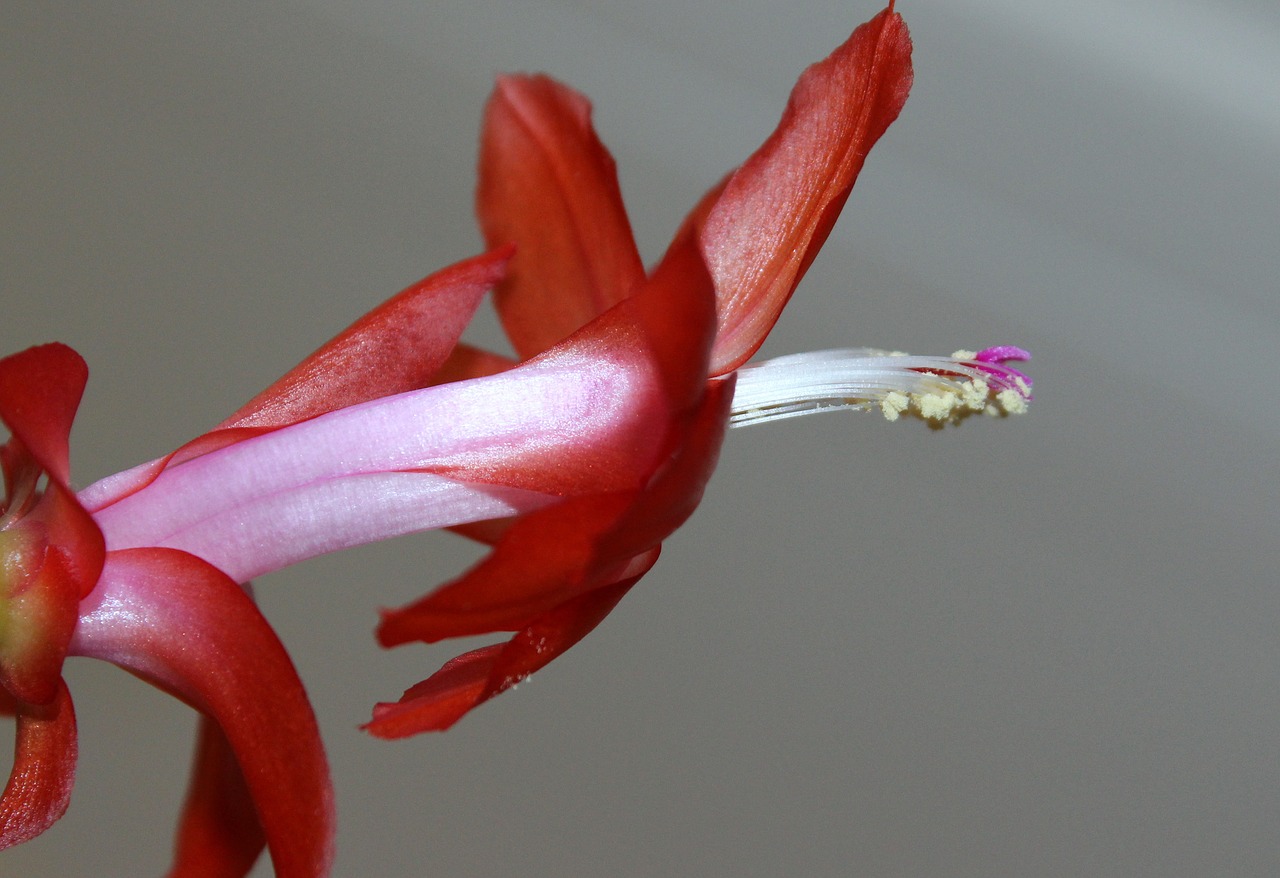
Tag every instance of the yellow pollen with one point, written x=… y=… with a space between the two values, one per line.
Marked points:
x=975 y=394
x=1011 y=401
x=894 y=404
x=937 y=406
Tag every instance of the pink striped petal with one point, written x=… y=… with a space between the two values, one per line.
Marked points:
x=428 y=459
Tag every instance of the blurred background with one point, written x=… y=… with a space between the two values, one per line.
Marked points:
x=1041 y=646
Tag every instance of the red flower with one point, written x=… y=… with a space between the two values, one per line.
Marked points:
x=574 y=464
x=548 y=185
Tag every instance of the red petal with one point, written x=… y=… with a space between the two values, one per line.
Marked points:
x=676 y=489
x=653 y=346
x=396 y=347
x=219 y=835
x=44 y=768
x=548 y=185
x=675 y=311
x=401 y=345
x=40 y=389
x=775 y=212
x=472 y=679
x=182 y=624
x=544 y=559
x=468 y=361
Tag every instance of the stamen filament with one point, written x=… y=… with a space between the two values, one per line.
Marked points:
x=938 y=390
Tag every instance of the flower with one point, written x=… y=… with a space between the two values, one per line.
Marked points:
x=573 y=463
x=549 y=186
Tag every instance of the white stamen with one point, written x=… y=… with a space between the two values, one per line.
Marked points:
x=938 y=390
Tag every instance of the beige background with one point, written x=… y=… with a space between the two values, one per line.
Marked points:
x=1041 y=647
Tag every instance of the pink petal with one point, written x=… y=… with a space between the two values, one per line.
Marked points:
x=401 y=345
x=175 y=621
x=272 y=531
x=549 y=186
x=44 y=768
x=550 y=426
x=116 y=487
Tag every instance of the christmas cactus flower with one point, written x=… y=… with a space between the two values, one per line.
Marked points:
x=548 y=186
x=573 y=462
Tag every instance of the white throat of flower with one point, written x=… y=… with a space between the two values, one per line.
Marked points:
x=938 y=390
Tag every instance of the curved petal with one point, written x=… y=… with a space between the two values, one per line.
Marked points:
x=549 y=186
x=395 y=347
x=219 y=835
x=114 y=488
x=75 y=534
x=544 y=559
x=275 y=530
x=760 y=235
x=472 y=679
x=40 y=390
x=50 y=548
x=44 y=769
x=177 y=622
x=675 y=313
x=540 y=557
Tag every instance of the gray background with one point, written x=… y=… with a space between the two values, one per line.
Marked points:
x=1039 y=647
